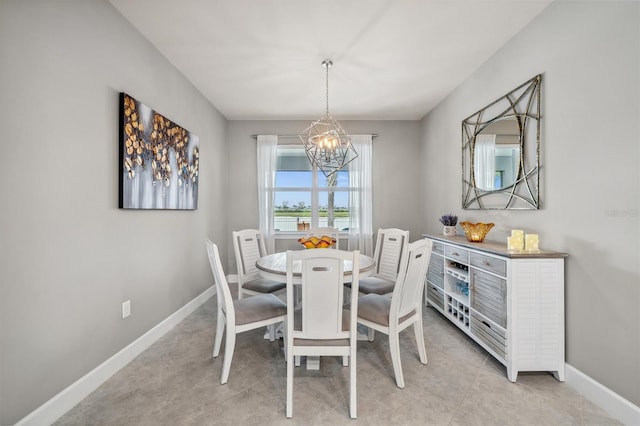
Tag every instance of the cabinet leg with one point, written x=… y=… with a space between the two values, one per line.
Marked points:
x=512 y=374
x=559 y=375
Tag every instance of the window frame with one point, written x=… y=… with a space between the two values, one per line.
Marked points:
x=315 y=190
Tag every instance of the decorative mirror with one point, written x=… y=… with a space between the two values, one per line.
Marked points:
x=501 y=152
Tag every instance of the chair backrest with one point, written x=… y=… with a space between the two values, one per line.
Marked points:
x=330 y=232
x=248 y=245
x=407 y=293
x=391 y=245
x=322 y=293
x=225 y=301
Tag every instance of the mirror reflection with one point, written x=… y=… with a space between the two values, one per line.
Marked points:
x=501 y=151
x=497 y=155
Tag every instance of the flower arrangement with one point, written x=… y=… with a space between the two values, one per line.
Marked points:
x=449 y=219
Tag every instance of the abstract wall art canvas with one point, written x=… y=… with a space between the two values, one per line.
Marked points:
x=158 y=160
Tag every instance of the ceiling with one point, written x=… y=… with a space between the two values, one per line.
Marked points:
x=393 y=59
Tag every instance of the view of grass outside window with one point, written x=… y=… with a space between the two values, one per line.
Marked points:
x=305 y=198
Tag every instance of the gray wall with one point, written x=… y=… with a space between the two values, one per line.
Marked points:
x=589 y=53
x=68 y=256
x=395 y=178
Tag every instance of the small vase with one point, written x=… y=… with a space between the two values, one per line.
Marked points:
x=449 y=231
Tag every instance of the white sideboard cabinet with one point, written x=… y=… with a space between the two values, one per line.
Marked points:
x=511 y=304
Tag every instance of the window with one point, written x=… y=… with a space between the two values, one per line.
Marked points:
x=291 y=193
x=304 y=197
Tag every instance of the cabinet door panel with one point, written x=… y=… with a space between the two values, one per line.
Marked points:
x=435 y=295
x=488 y=296
x=435 y=273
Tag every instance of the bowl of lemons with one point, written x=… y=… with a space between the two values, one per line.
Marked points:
x=317 y=242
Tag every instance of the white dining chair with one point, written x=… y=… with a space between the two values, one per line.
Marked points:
x=391 y=245
x=240 y=315
x=391 y=316
x=249 y=246
x=328 y=231
x=321 y=326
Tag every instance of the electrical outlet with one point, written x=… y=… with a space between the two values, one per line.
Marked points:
x=126 y=309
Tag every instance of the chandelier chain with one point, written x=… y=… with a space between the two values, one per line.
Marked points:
x=327 y=65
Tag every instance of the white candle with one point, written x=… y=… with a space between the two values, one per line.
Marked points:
x=531 y=242
x=517 y=233
x=515 y=243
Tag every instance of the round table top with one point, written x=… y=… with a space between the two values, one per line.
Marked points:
x=277 y=264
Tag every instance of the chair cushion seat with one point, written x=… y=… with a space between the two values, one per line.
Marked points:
x=263 y=285
x=376 y=308
x=376 y=285
x=258 y=308
x=314 y=342
x=297 y=325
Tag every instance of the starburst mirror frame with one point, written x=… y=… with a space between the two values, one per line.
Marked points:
x=521 y=107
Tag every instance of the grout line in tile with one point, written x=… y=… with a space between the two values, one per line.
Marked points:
x=468 y=390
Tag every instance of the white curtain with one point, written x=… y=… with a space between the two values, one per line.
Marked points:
x=360 y=201
x=485 y=161
x=267 y=156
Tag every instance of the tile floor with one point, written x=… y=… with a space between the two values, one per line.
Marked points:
x=177 y=382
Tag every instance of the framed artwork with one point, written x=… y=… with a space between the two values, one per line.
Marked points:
x=158 y=160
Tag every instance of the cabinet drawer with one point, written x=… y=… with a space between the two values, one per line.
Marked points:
x=490 y=334
x=458 y=254
x=491 y=264
x=435 y=295
x=437 y=247
x=435 y=273
x=489 y=296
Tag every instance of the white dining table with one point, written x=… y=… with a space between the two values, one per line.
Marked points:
x=274 y=267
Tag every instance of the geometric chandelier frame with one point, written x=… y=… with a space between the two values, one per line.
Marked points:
x=326 y=144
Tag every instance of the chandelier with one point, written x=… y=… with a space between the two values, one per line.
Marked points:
x=327 y=145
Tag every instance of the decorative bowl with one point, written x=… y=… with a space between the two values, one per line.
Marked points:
x=475 y=232
x=317 y=242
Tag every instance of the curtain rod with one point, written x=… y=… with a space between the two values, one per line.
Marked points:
x=296 y=136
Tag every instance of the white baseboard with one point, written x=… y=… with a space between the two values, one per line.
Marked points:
x=57 y=406
x=615 y=405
